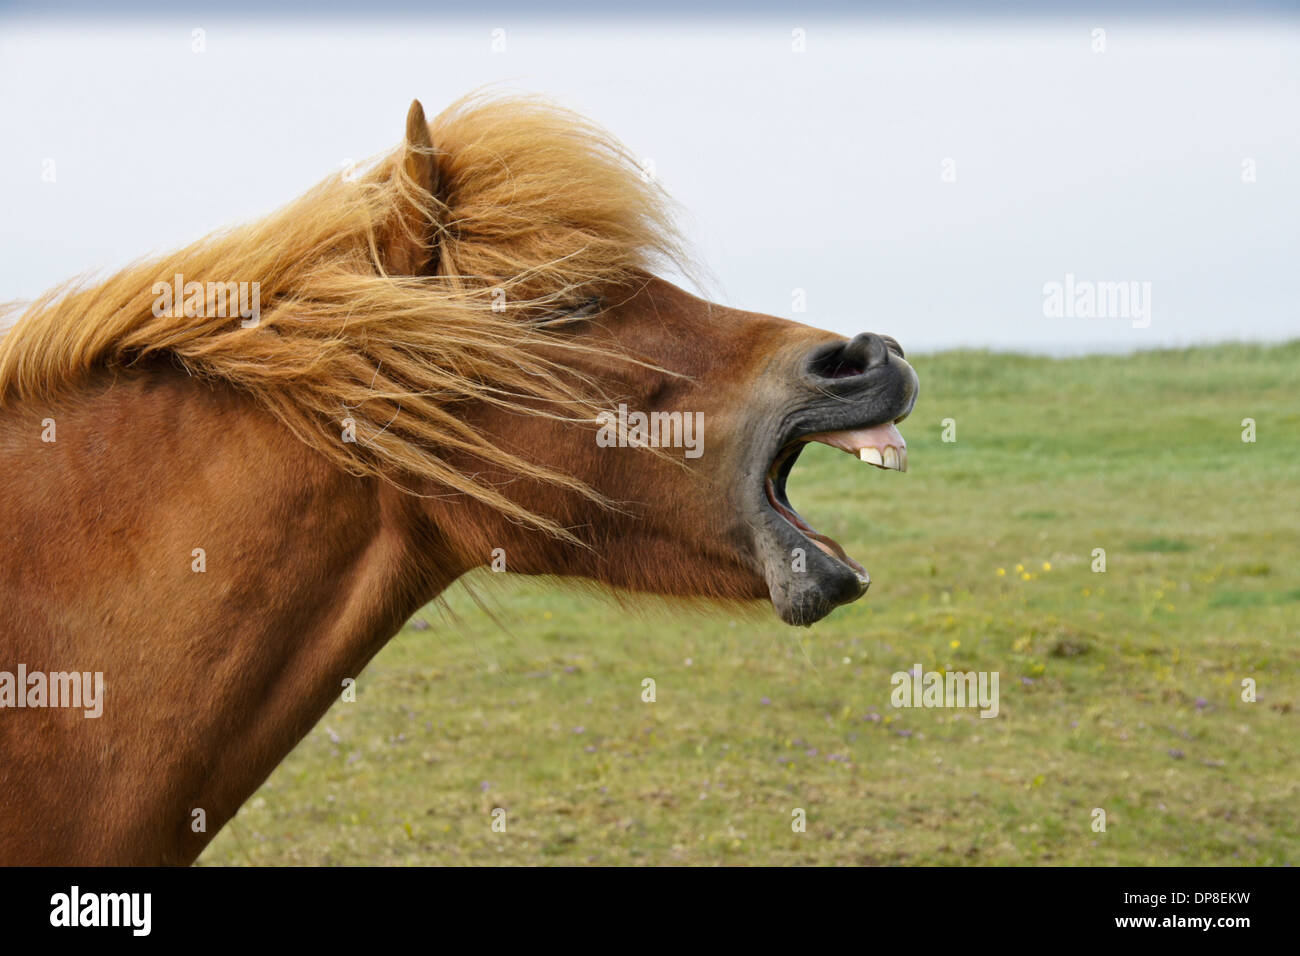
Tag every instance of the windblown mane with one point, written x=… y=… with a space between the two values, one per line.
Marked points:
x=532 y=208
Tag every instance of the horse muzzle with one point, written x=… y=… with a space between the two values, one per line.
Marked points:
x=847 y=394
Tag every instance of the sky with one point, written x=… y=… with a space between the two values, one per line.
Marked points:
x=935 y=177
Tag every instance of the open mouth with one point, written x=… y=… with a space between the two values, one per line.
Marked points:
x=879 y=445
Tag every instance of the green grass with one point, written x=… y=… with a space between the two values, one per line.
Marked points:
x=1119 y=690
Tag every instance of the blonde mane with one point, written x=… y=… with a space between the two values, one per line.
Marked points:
x=533 y=213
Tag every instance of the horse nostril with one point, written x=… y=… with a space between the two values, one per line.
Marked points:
x=867 y=351
x=856 y=357
x=893 y=345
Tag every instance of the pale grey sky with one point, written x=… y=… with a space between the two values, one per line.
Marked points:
x=821 y=170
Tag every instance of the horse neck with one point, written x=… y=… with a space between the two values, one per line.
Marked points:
x=226 y=579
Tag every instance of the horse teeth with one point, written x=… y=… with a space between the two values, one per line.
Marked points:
x=891 y=457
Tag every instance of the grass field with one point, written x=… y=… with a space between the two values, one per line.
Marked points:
x=1119 y=690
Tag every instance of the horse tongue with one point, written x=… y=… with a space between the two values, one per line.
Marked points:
x=832 y=547
x=880 y=445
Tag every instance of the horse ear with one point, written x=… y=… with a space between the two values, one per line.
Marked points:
x=418 y=160
x=408 y=249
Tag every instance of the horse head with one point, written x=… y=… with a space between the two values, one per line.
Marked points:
x=680 y=420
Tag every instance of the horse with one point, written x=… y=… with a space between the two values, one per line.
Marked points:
x=232 y=472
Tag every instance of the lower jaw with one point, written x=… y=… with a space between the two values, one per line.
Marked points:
x=804 y=587
x=827 y=545
x=800 y=600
